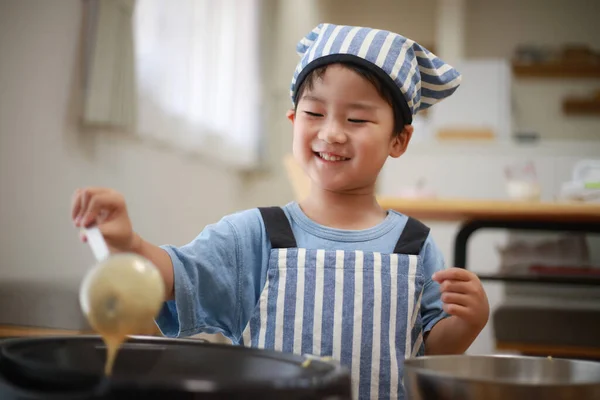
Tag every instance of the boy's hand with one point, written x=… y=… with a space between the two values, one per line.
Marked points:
x=106 y=209
x=463 y=296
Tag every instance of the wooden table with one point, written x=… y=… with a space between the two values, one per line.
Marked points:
x=468 y=209
x=519 y=215
x=497 y=214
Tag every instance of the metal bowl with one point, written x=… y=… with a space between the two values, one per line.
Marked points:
x=494 y=377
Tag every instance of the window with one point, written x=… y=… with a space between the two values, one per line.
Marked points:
x=194 y=68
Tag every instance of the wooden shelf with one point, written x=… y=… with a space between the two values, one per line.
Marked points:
x=556 y=70
x=583 y=106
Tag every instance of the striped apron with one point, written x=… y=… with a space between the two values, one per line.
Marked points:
x=360 y=308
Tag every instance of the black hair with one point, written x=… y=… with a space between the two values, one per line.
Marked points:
x=384 y=90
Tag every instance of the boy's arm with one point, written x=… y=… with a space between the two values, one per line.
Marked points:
x=454 y=306
x=216 y=277
x=450 y=336
x=465 y=300
x=161 y=259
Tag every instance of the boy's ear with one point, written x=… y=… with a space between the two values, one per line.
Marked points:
x=291 y=115
x=400 y=142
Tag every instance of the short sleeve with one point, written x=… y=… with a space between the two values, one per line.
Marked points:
x=431 y=302
x=217 y=278
x=206 y=284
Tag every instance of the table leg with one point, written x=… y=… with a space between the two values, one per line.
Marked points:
x=469 y=227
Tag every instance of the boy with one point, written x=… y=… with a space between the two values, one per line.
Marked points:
x=334 y=275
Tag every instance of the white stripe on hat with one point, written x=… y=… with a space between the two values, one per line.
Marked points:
x=429 y=101
x=299 y=302
x=318 y=314
x=311 y=55
x=364 y=48
x=385 y=48
x=348 y=40
x=408 y=82
x=338 y=304
x=417 y=90
x=281 y=295
x=331 y=39
x=400 y=59
x=298 y=69
x=452 y=84
x=375 y=359
x=423 y=54
x=308 y=42
x=412 y=273
x=357 y=332
x=435 y=71
x=394 y=371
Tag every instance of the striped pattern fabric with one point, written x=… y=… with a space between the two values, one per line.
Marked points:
x=360 y=308
x=423 y=78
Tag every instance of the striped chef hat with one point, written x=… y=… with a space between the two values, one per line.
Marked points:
x=417 y=77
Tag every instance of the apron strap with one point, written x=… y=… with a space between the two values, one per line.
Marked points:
x=413 y=238
x=278 y=228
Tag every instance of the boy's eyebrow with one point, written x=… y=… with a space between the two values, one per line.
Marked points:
x=310 y=97
x=357 y=106
x=362 y=106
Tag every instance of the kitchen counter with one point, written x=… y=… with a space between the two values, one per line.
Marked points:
x=469 y=209
x=21 y=331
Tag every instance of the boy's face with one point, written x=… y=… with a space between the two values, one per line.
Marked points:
x=343 y=132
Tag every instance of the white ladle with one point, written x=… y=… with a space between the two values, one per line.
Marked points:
x=121 y=295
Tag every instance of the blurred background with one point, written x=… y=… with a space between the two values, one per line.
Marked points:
x=180 y=105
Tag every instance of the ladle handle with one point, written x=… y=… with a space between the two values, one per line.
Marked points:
x=97 y=243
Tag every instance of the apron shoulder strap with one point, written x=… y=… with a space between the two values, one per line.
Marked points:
x=413 y=238
x=278 y=228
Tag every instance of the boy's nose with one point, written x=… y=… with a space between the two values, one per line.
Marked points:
x=333 y=133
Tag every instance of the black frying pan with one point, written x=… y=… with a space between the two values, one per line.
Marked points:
x=170 y=366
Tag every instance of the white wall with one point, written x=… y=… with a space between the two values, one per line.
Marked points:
x=496 y=28
x=413 y=19
x=44 y=157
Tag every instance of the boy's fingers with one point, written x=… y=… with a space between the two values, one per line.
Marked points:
x=460 y=299
x=455 y=274
x=83 y=200
x=456 y=287
x=75 y=204
x=456 y=310
x=94 y=208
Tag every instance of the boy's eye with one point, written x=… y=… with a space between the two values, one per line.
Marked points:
x=312 y=114
x=358 y=121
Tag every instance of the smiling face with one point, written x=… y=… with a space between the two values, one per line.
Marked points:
x=344 y=131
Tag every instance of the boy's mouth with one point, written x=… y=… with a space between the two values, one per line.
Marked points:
x=330 y=157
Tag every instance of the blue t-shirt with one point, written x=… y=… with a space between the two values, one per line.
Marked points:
x=219 y=276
